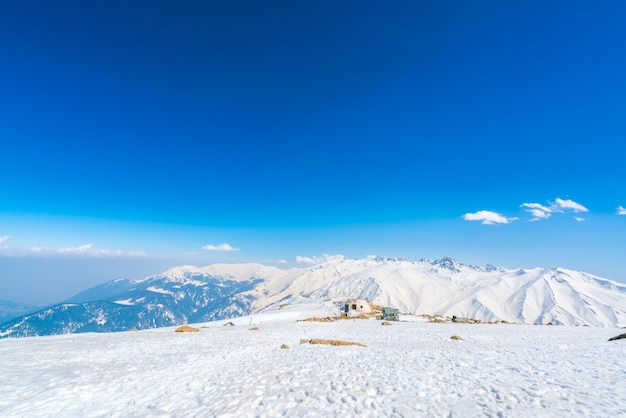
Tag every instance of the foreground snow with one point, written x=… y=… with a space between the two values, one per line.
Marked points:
x=407 y=369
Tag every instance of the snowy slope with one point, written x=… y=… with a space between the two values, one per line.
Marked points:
x=408 y=369
x=444 y=287
x=447 y=287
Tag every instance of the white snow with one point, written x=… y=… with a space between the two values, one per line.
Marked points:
x=443 y=287
x=101 y=319
x=408 y=369
x=128 y=302
x=159 y=290
x=528 y=296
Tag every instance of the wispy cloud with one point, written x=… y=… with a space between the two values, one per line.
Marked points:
x=317 y=260
x=280 y=261
x=308 y=260
x=539 y=211
x=621 y=210
x=579 y=219
x=4 y=238
x=221 y=247
x=570 y=204
x=487 y=217
x=537 y=206
x=87 y=250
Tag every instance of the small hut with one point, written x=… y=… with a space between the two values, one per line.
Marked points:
x=356 y=307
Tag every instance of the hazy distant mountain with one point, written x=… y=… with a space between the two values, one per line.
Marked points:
x=10 y=310
x=180 y=295
x=190 y=294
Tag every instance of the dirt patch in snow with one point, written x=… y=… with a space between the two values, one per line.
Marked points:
x=315 y=319
x=330 y=342
x=186 y=328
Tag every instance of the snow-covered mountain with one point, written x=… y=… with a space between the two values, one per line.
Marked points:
x=190 y=294
x=447 y=287
x=180 y=295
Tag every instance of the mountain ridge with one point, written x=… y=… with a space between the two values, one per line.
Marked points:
x=10 y=309
x=445 y=286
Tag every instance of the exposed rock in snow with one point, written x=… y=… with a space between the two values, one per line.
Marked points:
x=618 y=337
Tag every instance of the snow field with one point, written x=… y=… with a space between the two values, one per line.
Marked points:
x=408 y=369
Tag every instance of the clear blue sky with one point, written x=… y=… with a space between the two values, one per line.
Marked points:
x=135 y=133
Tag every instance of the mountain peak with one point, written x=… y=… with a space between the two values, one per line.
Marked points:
x=448 y=263
x=175 y=274
x=183 y=270
x=383 y=259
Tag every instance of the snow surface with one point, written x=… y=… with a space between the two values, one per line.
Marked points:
x=127 y=302
x=409 y=369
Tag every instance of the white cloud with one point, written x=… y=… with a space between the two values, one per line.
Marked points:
x=488 y=217
x=81 y=249
x=317 y=260
x=570 y=204
x=538 y=206
x=539 y=214
x=87 y=250
x=538 y=211
x=621 y=210
x=117 y=253
x=221 y=247
x=308 y=260
x=4 y=238
x=281 y=261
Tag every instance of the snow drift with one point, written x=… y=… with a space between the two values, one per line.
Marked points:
x=410 y=369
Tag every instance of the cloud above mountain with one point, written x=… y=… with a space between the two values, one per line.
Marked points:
x=308 y=260
x=84 y=250
x=538 y=211
x=317 y=259
x=487 y=217
x=87 y=250
x=220 y=247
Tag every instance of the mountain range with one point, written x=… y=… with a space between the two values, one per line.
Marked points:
x=189 y=294
x=10 y=310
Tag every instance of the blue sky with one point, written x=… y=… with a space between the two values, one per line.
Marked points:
x=141 y=135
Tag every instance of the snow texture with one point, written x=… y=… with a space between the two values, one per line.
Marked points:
x=447 y=287
x=412 y=368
